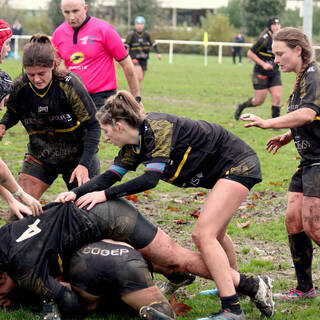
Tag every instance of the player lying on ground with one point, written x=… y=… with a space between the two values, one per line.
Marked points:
x=102 y=274
x=27 y=244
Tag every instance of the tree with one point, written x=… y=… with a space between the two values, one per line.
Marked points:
x=234 y=12
x=291 y=18
x=257 y=13
x=148 y=9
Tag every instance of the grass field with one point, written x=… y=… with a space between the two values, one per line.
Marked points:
x=211 y=93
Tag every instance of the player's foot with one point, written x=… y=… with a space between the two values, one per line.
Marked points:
x=293 y=293
x=263 y=297
x=238 y=111
x=150 y=313
x=225 y=315
x=168 y=287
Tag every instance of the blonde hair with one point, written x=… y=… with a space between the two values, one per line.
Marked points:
x=121 y=106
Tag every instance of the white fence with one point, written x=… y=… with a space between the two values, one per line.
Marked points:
x=171 y=43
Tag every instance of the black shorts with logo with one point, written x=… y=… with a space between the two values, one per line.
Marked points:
x=261 y=82
x=306 y=180
x=49 y=173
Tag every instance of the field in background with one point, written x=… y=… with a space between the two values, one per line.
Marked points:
x=211 y=93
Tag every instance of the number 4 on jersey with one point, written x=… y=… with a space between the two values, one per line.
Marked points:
x=32 y=230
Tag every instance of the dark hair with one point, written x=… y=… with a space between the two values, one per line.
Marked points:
x=294 y=37
x=121 y=106
x=39 y=51
x=271 y=21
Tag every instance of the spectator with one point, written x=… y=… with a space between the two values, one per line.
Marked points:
x=18 y=31
x=88 y=46
x=237 y=51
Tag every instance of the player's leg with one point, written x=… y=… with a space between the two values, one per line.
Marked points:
x=260 y=85
x=34 y=177
x=276 y=92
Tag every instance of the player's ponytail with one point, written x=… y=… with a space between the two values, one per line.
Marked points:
x=121 y=106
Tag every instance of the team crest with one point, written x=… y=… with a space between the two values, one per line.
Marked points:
x=77 y=57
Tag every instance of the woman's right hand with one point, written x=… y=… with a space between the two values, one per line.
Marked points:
x=31 y=202
x=267 y=66
x=275 y=143
x=66 y=197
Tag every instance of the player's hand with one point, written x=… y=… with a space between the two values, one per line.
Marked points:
x=17 y=208
x=31 y=202
x=5 y=301
x=159 y=56
x=91 y=198
x=81 y=174
x=2 y=131
x=267 y=66
x=275 y=143
x=66 y=197
x=255 y=121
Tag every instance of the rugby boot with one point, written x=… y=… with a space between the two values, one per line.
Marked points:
x=150 y=313
x=182 y=279
x=263 y=297
x=225 y=315
x=294 y=294
x=241 y=107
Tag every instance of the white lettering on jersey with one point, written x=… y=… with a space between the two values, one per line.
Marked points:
x=32 y=230
x=84 y=40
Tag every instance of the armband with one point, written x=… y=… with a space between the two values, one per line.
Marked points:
x=18 y=193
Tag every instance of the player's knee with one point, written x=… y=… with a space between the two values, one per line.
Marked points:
x=312 y=229
x=293 y=223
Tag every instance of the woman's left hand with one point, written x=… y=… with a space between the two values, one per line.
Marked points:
x=80 y=173
x=255 y=121
x=91 y=198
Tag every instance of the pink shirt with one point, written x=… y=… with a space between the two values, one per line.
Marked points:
x=90 y=52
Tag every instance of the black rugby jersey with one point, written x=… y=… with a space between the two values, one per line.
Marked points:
x=139 y=45
x=108 y=268
x=61 y=125
x=263 y=49
x=196 y=153
x=307 y=95
x=29 y=245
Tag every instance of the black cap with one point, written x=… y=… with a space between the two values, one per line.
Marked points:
x=6 y=84
x=273 y=20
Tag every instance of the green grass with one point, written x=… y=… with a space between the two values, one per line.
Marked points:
x=211 y=93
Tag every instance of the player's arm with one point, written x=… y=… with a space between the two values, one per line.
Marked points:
x=251 y=55
x=128 y=69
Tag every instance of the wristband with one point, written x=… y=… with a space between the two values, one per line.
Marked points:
x=18 y=193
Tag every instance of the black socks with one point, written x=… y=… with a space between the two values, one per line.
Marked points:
x=275 y=111
x=231 y=303
x=301 y=252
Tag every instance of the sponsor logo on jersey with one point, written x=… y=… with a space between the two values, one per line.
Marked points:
x=84 y=40
x=77 y=57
